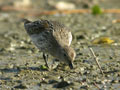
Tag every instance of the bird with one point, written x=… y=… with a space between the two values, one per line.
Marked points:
x=52 y=38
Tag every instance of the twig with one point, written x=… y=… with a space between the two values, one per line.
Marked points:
x=96 y=59
x=37 y=12
x=111 y=11
x=96 y=85
x=12 y=8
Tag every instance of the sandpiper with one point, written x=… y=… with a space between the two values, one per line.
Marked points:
x=53 y=38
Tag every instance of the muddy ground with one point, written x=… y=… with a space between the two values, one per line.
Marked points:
x=20 y=60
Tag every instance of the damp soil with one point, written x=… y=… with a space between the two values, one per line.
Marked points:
x=20 y=60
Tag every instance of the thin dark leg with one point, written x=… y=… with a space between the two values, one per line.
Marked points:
x=45 y=57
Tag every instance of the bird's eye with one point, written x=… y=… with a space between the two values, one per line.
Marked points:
x=65 y=55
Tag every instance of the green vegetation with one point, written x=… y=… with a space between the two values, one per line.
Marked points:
x=43 y=67
x=96 y=10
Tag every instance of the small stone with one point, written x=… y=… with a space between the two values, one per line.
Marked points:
x=44 y=81
x=52 y=81
x=111 y=57
x=10 y=66
x=21 y=86
x=80 y=37
x=62 y=84
x=84 y=87
x=64 y=5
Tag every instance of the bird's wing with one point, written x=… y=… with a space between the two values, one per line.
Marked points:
x=58 y=30
x=62 y=34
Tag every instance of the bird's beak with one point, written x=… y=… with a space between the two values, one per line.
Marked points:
x=71 y=65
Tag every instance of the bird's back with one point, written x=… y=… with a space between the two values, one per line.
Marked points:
x=58 y=31
x=62 y=33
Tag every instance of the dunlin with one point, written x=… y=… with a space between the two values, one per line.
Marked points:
x=52 y=38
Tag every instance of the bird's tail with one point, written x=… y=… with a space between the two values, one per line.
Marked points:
x=25 y=21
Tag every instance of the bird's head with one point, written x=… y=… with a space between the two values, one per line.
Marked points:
x=67 y=55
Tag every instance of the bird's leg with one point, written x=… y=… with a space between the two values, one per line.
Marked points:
x=45 y=57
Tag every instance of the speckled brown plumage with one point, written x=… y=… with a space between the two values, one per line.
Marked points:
x=52 y=38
